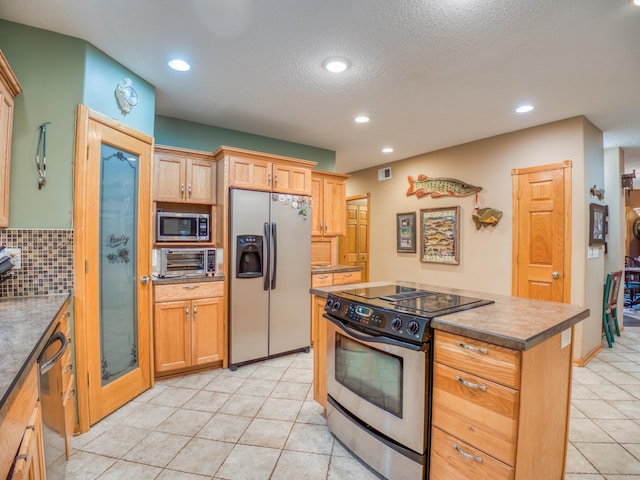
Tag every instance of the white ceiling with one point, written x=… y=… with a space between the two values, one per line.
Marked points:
x=429 y=73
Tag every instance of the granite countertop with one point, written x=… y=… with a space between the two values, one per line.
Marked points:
x=315 y=269
x=162 y=281
x=25 y=324
x=513 y=322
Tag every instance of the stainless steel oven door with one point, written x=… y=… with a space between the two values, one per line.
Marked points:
x=384 y=385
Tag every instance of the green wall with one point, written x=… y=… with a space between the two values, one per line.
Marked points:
x=180 y=133
x=50 y=68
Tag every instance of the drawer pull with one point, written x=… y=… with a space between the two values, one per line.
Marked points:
x=191 y=287
x=466 y=455
x=347 y=274
x=469 y=384
x=471 y=348
x=322 y=277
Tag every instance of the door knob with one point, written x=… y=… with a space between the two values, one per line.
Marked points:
x=555 y=275
x=145 y=279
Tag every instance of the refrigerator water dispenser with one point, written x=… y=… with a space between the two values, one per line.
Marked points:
x=249 y=256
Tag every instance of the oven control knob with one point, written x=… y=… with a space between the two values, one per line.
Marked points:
x=336 y=306
x=413 y=327
x=328 y=305
x=396 y=323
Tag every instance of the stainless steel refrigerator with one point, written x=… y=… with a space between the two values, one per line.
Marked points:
x=270 y=239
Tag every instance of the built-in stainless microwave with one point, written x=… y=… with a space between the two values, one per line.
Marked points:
x=182 y=227
x=184 y=262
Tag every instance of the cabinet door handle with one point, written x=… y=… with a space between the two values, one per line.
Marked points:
x=186 y=313
x=275 y=180
x=269 y=179
x=471 y=348
x=195 y=312
x=181 y=190
x=466 y=455
x=469 y=384
x=189 y=190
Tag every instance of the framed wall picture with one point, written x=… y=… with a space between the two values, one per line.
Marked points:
x=597 y=224
x=439 y=234
x=406 y=232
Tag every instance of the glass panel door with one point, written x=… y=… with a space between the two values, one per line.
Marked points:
x=118 y=240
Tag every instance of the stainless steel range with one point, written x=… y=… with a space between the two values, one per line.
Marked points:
x=378 y=373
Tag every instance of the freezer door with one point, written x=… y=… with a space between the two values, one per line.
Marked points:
x=249 y=302
x=290 y=323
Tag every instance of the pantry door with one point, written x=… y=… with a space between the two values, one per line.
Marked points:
x=112 y=264
x=542 y=232
x=353 y=248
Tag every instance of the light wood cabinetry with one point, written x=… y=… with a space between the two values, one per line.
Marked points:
x=487 y=405
x=9 y=88
x=262 y=171
x=188 y=325
x=183 y=176
x=319 y=330
x=21 y=433
x=329 y=211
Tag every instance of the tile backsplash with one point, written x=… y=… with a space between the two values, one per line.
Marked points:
x=46 y=262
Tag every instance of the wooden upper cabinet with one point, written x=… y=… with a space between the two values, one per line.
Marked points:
x=329 y=211
x=250 y=173
x=9 y=88
x=263 y=171
x=183 y=176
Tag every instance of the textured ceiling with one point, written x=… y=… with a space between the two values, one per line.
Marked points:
x=429 y=73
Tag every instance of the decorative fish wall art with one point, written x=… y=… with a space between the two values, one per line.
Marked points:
x=485 y=217
x=439 y=187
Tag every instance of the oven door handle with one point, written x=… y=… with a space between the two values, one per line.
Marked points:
x=372 y=338
x=48 y=364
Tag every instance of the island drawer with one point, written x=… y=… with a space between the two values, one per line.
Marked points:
x=343 y=278
x=452 y=459
x=481 y=412
x=188 y=291
x=498 y=364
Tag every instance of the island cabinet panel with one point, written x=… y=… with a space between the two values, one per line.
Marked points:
x=319 y=335
x=508 y=408
x=188 y=326
x=452 y=459
x=499 y=364
x=482 y=412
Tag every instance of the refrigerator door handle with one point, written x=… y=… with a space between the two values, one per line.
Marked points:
x=267 y=259
x=275 y=255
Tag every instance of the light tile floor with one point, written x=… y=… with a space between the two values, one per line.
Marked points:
x=260 y=422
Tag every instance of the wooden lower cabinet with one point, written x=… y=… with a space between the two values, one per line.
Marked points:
x=21 y=433
x=188 y=325
x=499 y=413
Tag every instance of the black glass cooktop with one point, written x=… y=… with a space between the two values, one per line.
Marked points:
x=423 y=302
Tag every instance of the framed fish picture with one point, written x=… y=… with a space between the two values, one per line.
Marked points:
x=406 y=232
x=439 y=235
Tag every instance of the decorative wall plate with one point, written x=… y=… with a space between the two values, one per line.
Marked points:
x=126 y=96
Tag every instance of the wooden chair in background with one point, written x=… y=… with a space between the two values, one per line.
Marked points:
x=610 y=306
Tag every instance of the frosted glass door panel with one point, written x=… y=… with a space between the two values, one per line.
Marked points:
x=118 y=240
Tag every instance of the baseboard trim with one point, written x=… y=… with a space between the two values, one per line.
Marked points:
x=582 y=361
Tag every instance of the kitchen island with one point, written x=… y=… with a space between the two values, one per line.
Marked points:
x=500 y=384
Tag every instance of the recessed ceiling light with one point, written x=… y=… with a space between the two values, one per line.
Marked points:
x=179 y=65
x=636 y=3
x=387 y=150
x=362 y=119
x=524 y=108
x=336 y=65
